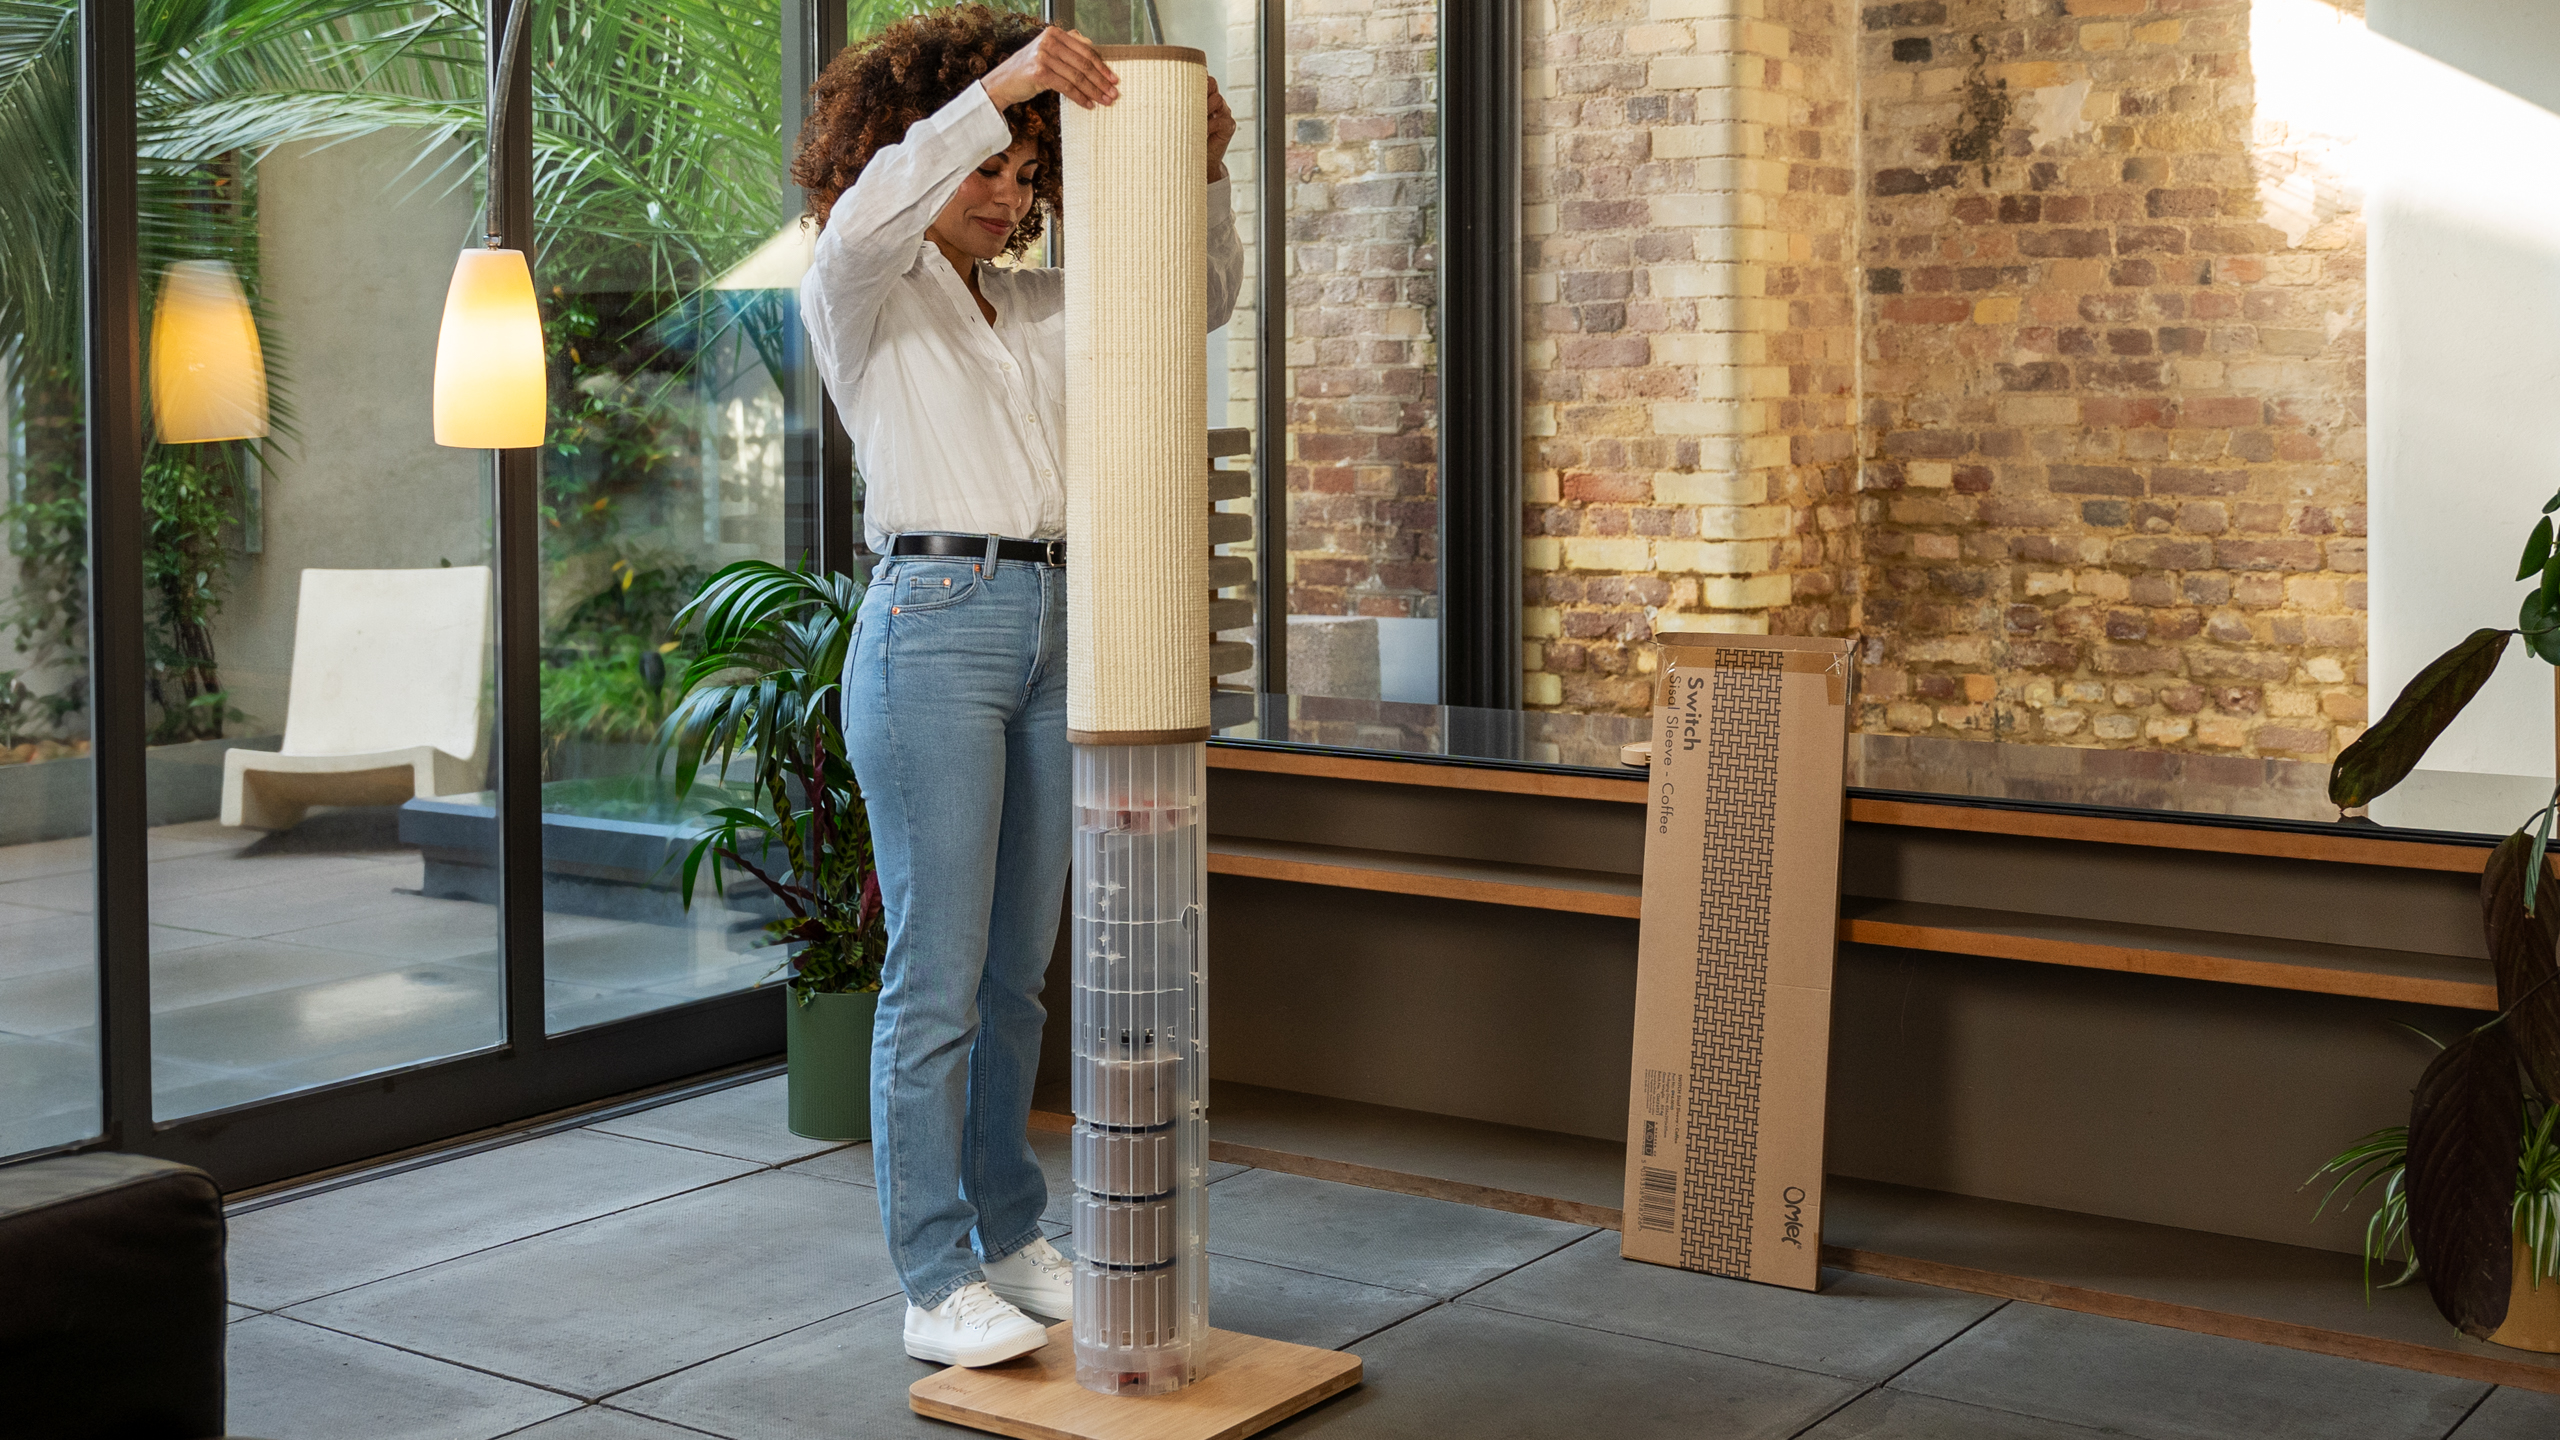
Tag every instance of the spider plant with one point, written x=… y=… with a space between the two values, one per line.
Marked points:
x=2381 y=1160
x=773 y=641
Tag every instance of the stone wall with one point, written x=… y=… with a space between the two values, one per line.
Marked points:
x=2113 y=413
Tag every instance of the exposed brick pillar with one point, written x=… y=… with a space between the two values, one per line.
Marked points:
x=1691 y=331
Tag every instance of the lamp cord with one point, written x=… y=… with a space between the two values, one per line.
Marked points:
x=500 y=86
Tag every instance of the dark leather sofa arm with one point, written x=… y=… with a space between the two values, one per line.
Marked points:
x=111 y=1300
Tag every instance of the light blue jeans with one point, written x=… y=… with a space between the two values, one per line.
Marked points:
x=955 y=705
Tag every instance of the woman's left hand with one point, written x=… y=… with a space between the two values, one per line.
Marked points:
x=1222 y=128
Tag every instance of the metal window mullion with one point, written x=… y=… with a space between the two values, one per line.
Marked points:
x=1480 y=408
x=119 y=814
x=1271 y=347
x=839 y=511
x=519 y=520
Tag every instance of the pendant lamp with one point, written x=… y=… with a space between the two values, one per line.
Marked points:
x=491 y=384
x=208 y=379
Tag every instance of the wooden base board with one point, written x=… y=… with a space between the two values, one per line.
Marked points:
x=1247 y=1385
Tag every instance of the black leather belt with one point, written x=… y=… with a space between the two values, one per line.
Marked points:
x=974 y=547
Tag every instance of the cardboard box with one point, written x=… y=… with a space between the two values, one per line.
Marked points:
x=1733 y=967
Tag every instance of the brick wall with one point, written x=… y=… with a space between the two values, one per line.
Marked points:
x=1363 y=191
x=2113 y=419
x=1691 y=342
x=2105 y=480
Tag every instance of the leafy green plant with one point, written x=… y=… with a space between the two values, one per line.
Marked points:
x=2381 y=1160
x=764 y=685
x=2474 y=1152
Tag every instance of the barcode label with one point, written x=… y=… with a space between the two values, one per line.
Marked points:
x=1657 y=1198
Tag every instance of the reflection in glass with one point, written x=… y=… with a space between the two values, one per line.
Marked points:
x=48 y=945
x=668 y=262
x=318 y=600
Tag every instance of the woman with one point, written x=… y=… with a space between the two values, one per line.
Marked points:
x=930 y=150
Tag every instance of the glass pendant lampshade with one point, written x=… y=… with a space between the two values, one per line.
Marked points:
x=208 y=378
x=489 y=369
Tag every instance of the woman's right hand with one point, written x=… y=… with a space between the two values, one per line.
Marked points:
x=1056 y=59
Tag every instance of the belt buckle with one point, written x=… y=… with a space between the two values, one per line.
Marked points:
x=1053 y=552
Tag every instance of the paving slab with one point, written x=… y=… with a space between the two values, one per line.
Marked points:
x=1430 y=1247
x=844 y=1378
x=2166 y=1384
x=1900 y=1415
x=2513 y=1415
x=847 y=1164
x=745 y=1121
x=603 y=1422
x=342 y=1238
x=613 y=1302
x=291 y=1381
x=279 y=906
x=1252 y=1298
x=1460 y=1370
x=1860 y=1326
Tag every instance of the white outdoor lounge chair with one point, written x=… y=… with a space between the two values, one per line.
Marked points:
x=386 y=698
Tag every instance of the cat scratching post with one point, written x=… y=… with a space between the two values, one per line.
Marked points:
x=1139 y=1359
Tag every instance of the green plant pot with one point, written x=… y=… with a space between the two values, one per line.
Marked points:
x=828 y=1042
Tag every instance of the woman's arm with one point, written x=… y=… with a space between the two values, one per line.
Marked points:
x=1226 y=255
x=874 y=230
x=1226 y=249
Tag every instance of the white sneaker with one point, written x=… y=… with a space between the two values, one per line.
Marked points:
x=972 y=1327
x=1037 y=1278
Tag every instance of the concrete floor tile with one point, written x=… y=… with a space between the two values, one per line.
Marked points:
x=52 y=1085
x=1252 y=1298
x=1432 y=1247
x=187 y=877
x=295 y=901
x=34 y=942
x=66 y=892
x=343 y=1238
x=1057 y=1166
x=240 y=1313
x=643 y=956
x=2513 y=1415
x=290 y=1381
x=745 y=1121
x=840 y=1379
x=1899 y=1415
x=652 y=1289
x=449 y=932
x=50 y=1002
x=2175 y=1385
x=1458 y=1370
x=851 y=1165
x=1859 y=1326
x=603 y=1422
x=39 y=858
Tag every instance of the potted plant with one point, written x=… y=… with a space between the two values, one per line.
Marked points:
x=2471 y=1185
x=764 y=686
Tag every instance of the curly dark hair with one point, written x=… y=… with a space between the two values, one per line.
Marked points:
x=874 y=89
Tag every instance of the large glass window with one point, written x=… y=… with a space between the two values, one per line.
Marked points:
x=671 y=254
x=1360 y=112
x=48 y=951
x=318 y=592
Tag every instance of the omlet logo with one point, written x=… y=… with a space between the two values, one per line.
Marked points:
x=1795 y=1216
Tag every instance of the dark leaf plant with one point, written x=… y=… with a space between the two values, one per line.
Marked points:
x=763 y=688
x=2476 y=1171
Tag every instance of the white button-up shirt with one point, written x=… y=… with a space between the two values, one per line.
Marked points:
x=957 y=425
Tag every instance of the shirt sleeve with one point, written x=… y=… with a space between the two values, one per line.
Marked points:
x=875 y=227
x=1226 y=255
